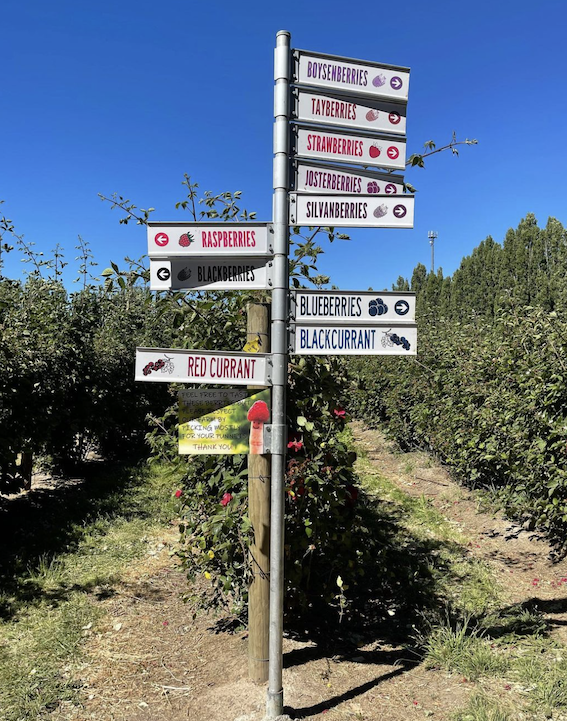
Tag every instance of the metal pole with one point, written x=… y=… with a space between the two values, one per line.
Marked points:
x=280 y=306
x=432 y=235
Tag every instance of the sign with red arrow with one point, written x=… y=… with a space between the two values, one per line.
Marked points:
x=380 y=151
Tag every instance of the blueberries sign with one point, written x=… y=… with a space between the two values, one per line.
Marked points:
x=352 y=307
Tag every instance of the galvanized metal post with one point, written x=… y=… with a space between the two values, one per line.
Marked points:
x=280 y=306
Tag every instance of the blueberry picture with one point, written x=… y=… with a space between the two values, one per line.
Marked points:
x=377 y=307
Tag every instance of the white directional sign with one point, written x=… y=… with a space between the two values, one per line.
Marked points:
x=320 y=178
x=210 y=274
x=351 y=307
x=352 y=76
x=354 y=340
x=346 y=147
x=176 y=239
x=200 y=366
x=351 y=112
x=352 y=211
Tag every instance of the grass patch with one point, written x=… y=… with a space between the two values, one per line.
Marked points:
x=60 y=556
x=464 y=651
x=483 y=708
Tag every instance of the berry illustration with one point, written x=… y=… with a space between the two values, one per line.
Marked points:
x=377 y=307
x=372 y=115
x=375 y=150
x=185 y=240
x=379 y=80
x=373 y=187
x=381 y=211
x=168 y=366
x=184 y=274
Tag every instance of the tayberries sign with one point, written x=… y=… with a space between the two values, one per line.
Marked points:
x=181 y=239
x=362 y=113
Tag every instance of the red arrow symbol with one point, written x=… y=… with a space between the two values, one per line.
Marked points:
x=393 y=152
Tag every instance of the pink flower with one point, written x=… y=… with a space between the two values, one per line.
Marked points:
x=295 y=444
x=166 y=623
x=226 y=499
x=339 y=412
x=178 y=493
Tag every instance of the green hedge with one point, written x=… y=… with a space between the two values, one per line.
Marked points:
x=490 y=399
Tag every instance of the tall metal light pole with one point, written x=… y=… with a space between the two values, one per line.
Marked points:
x=432 y=235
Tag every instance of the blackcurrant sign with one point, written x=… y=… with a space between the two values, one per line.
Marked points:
x=354 y=339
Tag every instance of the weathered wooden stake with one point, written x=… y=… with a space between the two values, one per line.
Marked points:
x=259 y=513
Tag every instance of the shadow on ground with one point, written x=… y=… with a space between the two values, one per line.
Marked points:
x=36 y=526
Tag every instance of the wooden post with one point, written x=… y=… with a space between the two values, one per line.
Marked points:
x=259 y=513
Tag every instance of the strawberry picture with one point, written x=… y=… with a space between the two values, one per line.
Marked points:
x=375 y=151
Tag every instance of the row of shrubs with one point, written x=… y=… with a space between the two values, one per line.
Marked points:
x=66 y=372
x=490 y=399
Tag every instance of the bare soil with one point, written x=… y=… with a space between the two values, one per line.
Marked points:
x=150 y=661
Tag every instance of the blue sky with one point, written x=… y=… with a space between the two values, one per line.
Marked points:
x=128 y=96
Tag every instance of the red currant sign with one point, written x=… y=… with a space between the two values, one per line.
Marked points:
x=352 y=211
x=351 y=307
x=200 y=366
x=203 y=239
x=350 y=112
x=360 y=77
x=379 y=150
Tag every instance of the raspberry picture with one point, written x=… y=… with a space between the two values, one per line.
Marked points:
x=185 y=240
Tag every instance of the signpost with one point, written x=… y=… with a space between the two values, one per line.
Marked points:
x=355 y=211
x=172 y=365
x=205 y=239
x=381 y=151
x=330 y=91
x=350 y=75
x=350 y=112
x=210 y=274
x=351 y=307
x=325 y=178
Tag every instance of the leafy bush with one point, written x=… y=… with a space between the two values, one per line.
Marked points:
x=490 y=398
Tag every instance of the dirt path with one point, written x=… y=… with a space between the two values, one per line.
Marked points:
x=150 y=661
